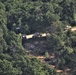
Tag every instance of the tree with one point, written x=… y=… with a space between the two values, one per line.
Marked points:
x=3 y=45
x=46 y=54
x=6 y=68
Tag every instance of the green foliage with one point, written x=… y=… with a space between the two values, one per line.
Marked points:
x=29 y=16
x=1 y=32
x=46 y=54
x=3 y=45
x=6 y=68
x=55 y=42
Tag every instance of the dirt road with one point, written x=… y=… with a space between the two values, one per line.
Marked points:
x=73 y=29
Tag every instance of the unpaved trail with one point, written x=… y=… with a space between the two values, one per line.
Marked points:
x=31 y=35
x=44 y=34
x=73 y=29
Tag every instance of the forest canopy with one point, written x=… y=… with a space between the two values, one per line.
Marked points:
x=18 y=17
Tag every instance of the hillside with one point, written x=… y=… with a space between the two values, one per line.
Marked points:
x=37 y=37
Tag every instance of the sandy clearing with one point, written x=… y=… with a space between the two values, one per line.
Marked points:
x=73 y=29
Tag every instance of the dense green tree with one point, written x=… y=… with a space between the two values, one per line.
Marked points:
x=19 y=17
x=3 y=45
x=6 y=68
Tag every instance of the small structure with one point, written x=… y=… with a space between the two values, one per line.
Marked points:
x=18 y=30
x=29 y=36
x=36 y=35
x=24 y=36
